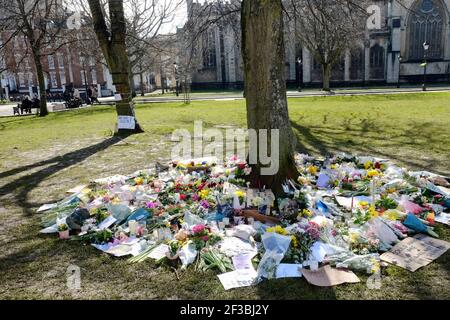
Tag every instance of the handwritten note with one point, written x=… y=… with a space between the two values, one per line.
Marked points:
x=414 y=253
x=126 y=122
x=237 y=279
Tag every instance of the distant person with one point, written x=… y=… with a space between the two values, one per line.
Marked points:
x=76 y=94
x=26 y=105
x=94 y=96
x=89 y=95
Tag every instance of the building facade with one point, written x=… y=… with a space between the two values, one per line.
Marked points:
x=392 y=51
x=62 y=67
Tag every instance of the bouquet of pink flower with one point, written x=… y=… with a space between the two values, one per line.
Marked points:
x=202 y=236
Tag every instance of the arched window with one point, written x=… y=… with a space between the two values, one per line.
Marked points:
x=377 y=62
x=426 y=23
x=209 y=49
x=356 y=64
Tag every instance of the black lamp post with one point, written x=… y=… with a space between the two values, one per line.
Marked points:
x=299 y=66
x=175 y=67
x=400 y=58
x=426 y=46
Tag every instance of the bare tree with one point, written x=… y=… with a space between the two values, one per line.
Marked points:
x=263 y=51
x=145 y=19
x=88 y=51
x=327 y=28
x=41 y=23
x=112 y=40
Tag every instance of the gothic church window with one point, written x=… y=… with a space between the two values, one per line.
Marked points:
x=209 y=49
x=377 y=62
x=426 y=23
x=356 y=64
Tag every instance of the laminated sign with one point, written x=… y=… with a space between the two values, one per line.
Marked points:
x=126 y=122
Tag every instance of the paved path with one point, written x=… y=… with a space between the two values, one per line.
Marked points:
x=7 y=110
x=291 y=94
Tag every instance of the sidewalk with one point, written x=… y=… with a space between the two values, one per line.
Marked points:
x=157 y=96
x=200 y=96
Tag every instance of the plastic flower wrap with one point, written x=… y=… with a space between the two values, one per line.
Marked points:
x=276 y=246
x=368 y=263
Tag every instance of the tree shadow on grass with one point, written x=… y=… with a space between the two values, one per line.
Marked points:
x=21 y=187
x=367 y=139
x=316 y=145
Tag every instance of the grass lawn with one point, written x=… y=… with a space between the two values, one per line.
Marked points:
x=42 y=158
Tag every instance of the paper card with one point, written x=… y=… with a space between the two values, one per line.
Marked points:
x=126 y=122
x=119 y=250
x=346 y=202
x=237 y=279
x=159 y=252
x=289 y=271
x=266 y=195
x=328 y=276
x=243 y=262
x=47 y=207
x=118 y=97
x=107 y=223
x=417 y=252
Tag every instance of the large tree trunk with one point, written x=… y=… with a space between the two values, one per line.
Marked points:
x=326 y=71
x=265 y=86
x=141 y=75
x=41 y=82
x=114 y=50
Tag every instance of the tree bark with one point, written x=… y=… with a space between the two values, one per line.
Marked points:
x=265 y=86
x=1 y=88
x=141 y=75
x=132 y=83
x=114 y=50
x=41 y=83
x=326 y=72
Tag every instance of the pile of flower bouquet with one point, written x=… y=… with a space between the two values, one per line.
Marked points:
x=342 y=210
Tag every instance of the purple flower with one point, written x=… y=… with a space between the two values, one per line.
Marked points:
x=151 y=205
x=313 y=230
x=205 y=204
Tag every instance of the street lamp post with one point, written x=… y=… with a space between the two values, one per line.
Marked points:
x=400 y=58
x=175 y=67
x=426 y=46
x=299 y=84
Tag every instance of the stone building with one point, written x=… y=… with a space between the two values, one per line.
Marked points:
x=392 y=51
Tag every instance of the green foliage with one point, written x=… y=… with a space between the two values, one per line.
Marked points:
x=386 y=203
